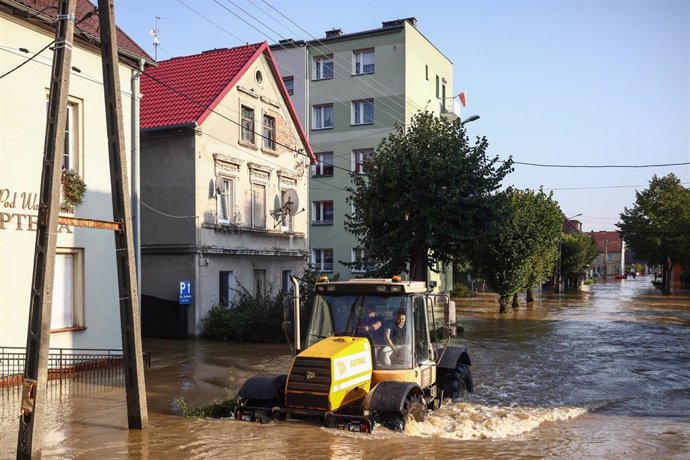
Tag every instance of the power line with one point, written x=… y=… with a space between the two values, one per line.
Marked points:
x=600 y=166
x=601 y=187
x=381 y=103
x=28 y=60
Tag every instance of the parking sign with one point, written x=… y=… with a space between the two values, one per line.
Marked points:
x=185 y=292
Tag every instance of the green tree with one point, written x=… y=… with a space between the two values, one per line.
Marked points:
x=509 y=257
x=546 y=224
x=657 y=227
x=426 y=196
x=577 y=252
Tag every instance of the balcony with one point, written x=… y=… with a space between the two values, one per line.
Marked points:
x=449 y=108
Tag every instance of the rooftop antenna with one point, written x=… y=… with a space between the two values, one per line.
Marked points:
x=156 y=41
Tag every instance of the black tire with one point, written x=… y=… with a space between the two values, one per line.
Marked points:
x=414 y=409
x=458 y=383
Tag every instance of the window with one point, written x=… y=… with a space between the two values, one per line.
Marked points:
x=324 y=165
x=260 y=282
x=286 y=283
x=227 y=284
x=322 y=260
x=322 y=68
x=443 y=96
x=421 y=334
x=71 y=154
x=287 y=222
x=609 y=257
x=269 y=133
x=289 y=84
x=322 y=213
x=359 y=157
x=323 y=116
x=68 y=290
x=426 y=71
x=363 y=112
x=258 y=206
x=438 y=86
x=363 y=62
x=247 y=124
x=359 y=257
x=225 y=201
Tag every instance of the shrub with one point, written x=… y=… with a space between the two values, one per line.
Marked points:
x=248 y=318
x=216 y=409
x=461 y=290
x=588 y=281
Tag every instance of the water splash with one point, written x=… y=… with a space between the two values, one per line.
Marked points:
x=467 y=421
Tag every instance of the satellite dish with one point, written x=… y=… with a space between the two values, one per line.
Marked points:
x=220 y=185
x=291 y=202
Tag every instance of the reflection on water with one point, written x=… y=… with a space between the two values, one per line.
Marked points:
x=599 y=373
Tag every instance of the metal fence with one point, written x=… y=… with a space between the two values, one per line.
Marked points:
x=70 y=370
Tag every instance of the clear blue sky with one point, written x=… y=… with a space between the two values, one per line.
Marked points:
x=570 y=82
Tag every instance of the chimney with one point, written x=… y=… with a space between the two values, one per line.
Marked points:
x=334 y=33
x=398 y=23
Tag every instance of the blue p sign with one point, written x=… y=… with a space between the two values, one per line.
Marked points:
x=185 y=292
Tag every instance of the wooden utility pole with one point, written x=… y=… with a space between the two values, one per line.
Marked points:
x=29 y=441
x=35 y=375
x=130 y=322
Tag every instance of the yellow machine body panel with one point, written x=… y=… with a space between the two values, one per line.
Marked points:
x=350 y=368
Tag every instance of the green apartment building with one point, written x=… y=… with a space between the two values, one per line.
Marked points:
x=350 y=90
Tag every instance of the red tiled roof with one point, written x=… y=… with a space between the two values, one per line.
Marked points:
x=187 y=89
x=202 y=78
x=88 y=27
x=607 y=241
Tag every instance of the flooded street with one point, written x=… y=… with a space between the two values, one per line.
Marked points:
x=603 y=373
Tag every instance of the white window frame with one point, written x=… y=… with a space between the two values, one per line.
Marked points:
x=247 y=124
x=68 y=290
x=318 y=113
x=323 y=166
x=359 y=156
x=359 y=112
x=259 y=219
x=318 y=211
x=226 y=198
x=269 y=132
x=285 y=281
x=357 y=255
x=321 y=70
x=318 y=259
x=71 y=157
x=361 y=59
x=230 y=284
x=291 y=87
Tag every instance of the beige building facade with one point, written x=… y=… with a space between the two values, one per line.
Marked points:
x=85 y=309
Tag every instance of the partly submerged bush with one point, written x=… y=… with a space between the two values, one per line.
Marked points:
x=461 y=290
x=248 y=318
x=216 y=409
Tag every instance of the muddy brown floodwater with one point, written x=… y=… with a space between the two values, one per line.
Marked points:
x=602 y=373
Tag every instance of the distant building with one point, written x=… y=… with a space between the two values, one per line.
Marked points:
x=350 y=91
x=85 y=305
x=224 y=158
x=610 y=259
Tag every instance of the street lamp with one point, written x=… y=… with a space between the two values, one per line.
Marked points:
x=469 y=119
x=560 y=253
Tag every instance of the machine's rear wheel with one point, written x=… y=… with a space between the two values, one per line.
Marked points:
x=458 y=383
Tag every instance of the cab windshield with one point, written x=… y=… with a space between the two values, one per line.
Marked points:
x=340 y=314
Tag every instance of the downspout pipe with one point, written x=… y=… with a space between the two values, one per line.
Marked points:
x=136 y=172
